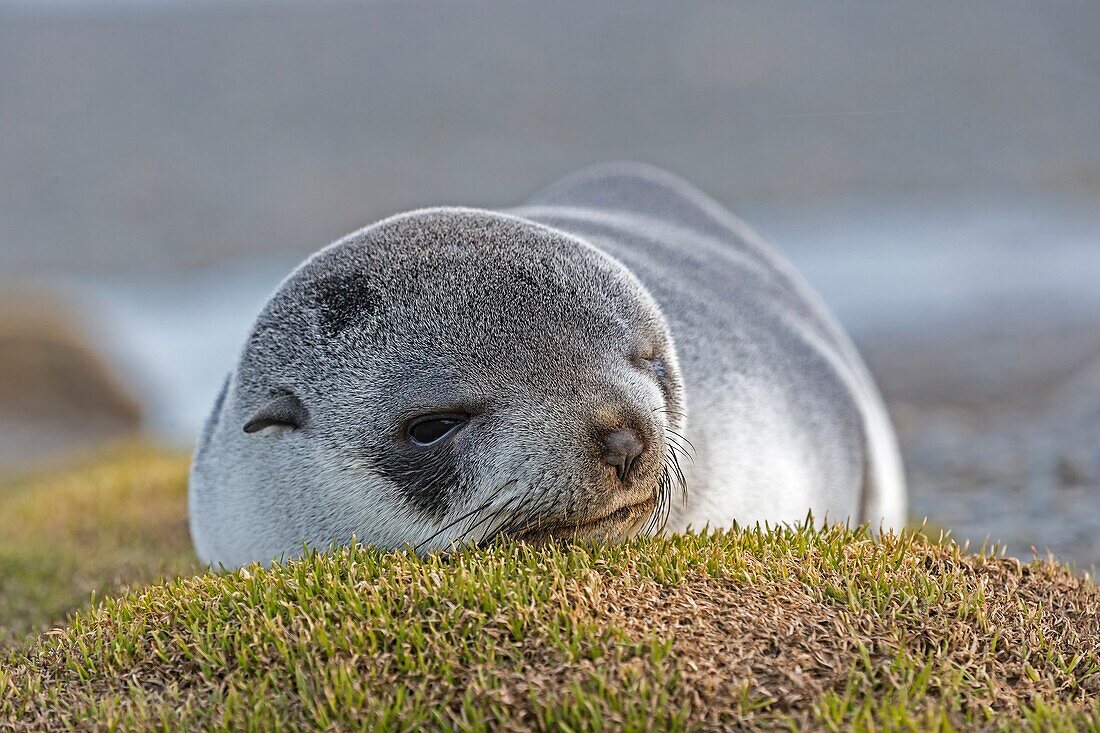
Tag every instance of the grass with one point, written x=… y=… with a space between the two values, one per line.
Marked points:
x=784 y=629
x=119 y=520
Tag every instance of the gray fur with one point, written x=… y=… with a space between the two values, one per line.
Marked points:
x=531 y=319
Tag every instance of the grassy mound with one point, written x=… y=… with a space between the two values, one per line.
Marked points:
x=827 y=629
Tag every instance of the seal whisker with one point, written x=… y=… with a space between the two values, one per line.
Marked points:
x=654 y=525
x=490 y=519
x=420 y=546
x=464 y=517
x=522 y=521
x=670 y=411
x=676 y=447
x=507 y=523
x=682 y=437
x=675 y=473
x=503 y=527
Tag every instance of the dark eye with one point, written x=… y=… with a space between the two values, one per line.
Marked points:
x=432 y=429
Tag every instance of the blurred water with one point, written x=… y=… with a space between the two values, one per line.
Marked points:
x=175 y=338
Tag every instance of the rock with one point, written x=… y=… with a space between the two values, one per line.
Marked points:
x=57 y=393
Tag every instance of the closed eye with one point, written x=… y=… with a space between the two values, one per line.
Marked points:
x=430 y=430
x=656 y=365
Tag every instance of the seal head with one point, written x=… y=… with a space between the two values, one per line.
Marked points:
x=444 y=376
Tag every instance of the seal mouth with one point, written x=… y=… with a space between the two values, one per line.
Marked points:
x=618 y=523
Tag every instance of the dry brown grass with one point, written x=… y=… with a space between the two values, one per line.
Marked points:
x=768 y=651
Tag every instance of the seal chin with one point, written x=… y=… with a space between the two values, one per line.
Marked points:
x=617 y=525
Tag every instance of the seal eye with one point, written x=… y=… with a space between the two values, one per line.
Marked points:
x=432 y=429
x=656 y=365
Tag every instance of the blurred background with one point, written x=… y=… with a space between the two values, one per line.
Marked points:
x=932 y=168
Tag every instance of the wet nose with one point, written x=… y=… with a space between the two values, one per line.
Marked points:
x=621 y=448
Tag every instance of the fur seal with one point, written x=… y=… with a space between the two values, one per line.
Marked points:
x=449 y=375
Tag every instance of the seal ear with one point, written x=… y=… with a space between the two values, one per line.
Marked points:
x=286 y=410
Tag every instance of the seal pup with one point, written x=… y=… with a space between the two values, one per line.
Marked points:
x=618 y=356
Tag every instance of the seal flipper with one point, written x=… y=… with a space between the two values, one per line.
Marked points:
x=285 y=410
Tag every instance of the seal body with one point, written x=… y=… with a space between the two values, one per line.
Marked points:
x=618 y=356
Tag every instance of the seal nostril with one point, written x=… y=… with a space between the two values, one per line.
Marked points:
x=621 y=449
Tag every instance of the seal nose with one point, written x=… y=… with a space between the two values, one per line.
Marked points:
x=621 y=448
